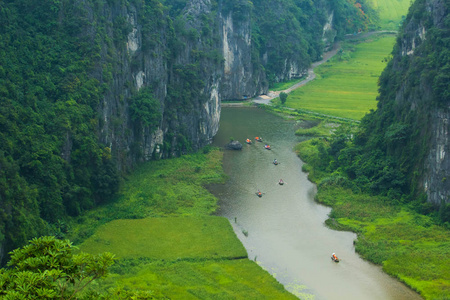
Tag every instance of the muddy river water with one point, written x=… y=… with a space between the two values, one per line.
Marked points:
x=284 y=230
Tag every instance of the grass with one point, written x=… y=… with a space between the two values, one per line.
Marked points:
x=391 y=13
x=346 y=86
x=222 y=279
x=172 y=187
x=182 y=258
x=281 y=86
x=166 y=240
x=409 y=246
x=319 y=128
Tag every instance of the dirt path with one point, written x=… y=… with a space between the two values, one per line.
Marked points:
x=265 y=99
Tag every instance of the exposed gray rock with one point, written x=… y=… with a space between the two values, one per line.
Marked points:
x=148 y=59
x=234 y=145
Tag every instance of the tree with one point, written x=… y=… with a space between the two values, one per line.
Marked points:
x=283 y=97
x=46 y=268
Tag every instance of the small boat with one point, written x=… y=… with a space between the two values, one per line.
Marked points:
x=281 y=182
x=258 y=139
x=259 y=194
x=267 y=147
x=248 y=141
x=334 y=258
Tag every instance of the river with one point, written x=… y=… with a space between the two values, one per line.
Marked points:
x=284 y=230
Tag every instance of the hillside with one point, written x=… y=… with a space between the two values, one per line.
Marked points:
x=89 y=89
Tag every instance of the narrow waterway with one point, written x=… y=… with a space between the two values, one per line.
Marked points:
x=284 y=230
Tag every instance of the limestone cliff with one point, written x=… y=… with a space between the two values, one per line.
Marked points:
x=191 y=63
x=414 y=105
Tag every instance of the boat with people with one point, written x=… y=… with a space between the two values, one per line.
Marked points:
x=281 y=182
x=259 y=194
x=334 y=257
x=248 y=141
x=267 y=147
x=258 y=139
x=275 y=162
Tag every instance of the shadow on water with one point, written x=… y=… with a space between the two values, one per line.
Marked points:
x=284 y=230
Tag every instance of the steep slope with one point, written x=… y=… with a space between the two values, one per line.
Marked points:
x=91 y=88
x=410 y=127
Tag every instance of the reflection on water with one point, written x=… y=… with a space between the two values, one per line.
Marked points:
x=284 y=229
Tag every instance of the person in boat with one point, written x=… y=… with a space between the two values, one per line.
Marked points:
x=281 y=182
x=258 y=139
x=248 y=141
x=334 y=256
x=275 y=162
x=267 y=146
x=259 y=194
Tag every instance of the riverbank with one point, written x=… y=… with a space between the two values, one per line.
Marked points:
x=167 y=241
x=409 y=246
x=284 y=229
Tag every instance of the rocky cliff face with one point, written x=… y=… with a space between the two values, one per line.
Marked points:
x=207 y=43
x=240 y=79
x=436 y=181
x=419 y=76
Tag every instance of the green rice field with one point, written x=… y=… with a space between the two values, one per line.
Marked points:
x=391 y=12
x=224 y=279
x=169 y=238
x=347 y=85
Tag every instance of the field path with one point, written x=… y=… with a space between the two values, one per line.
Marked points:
x=265 y=99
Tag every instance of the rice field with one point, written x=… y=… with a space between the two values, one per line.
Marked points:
x=347 y=85
x=391 y=12
x=168 y=238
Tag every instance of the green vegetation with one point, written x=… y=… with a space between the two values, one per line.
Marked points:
x=169 y=238
x=209 y=279
x=335 y=91
x=370 y=175
x=46 y=268
x=317 y=128
x=159 y=189
x=163 y=249
x=71 y=115
x=182 y=257
x=287 y=30
x=48 y=143
x=281 y=86
x=283 y=97
x=390 y=13
x=166 y=242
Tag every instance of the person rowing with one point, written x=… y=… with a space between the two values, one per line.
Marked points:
x=334 y=257
x=281 y=182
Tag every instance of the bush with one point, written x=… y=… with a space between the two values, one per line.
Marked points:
x=283 y=97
